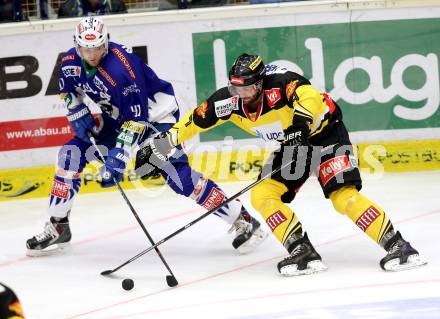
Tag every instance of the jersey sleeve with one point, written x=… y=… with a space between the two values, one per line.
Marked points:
x=200 y=119
x=308 y=106
x=306 y=101
x=68 y=71
x=141 y=95
x=161 y=100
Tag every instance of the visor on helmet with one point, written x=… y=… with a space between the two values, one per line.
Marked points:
x=245 y=90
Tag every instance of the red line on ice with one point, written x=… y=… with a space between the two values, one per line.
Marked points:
x=259 y=297
x=103 y=236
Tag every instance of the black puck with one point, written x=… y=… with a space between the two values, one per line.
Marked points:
x=127 y=284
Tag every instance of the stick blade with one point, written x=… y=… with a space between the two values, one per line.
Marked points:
x=106 y=272
x=172 y=281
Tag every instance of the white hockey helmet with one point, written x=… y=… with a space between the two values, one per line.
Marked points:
x=91 y=32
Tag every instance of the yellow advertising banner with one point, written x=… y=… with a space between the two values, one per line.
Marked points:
x=374 y=158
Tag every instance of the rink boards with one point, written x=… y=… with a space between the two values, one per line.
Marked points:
x=386 y=85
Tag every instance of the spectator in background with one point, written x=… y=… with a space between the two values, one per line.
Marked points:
x=44 y=10
x=81 y=8
x=205 y=3
x=190 y=4
x=272 y=1
x=11 y=11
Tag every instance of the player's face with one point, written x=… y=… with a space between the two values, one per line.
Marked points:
x=92 y=55
x=249 y=94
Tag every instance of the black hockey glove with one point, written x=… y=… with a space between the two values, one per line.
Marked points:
x=151 y=158
x=296 y=147
x=296 y=135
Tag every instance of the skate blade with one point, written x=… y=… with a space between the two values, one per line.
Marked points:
x=312 y=268
x=51 y=250
x=256 y=239
x=413 y=261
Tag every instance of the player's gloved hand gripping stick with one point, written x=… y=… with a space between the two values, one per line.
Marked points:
x=152 y=157
x=171 y=279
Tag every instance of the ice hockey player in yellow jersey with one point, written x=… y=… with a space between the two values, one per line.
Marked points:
x=276 y=104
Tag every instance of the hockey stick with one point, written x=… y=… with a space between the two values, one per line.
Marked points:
x=230 y=199
x=171 y=279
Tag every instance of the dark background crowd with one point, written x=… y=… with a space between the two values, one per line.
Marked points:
x=23 y=10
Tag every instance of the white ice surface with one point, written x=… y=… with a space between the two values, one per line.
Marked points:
x=214 y=281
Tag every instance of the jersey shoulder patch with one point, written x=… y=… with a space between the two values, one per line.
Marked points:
x=71 y=71
x=69 y=57
x=226 y=106
x=273 y=95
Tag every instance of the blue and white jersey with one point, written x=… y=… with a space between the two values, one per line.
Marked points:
x=122 y=85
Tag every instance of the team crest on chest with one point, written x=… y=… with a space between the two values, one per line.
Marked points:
x=272 y=96
x=226 y=106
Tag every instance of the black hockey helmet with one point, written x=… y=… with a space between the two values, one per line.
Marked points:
x=246 y=70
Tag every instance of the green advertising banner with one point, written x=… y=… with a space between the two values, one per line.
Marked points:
x=383 y=74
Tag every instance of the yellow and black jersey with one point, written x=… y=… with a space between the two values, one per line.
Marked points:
x=287 y=97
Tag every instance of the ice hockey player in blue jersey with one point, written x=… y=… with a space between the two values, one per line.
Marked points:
x=135 y=105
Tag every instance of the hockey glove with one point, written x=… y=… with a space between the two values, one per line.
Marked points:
x=142 y=166
x=81 y=121
x=295 y=148
x=296 y=135
x=296 y=143
x=154 y=155
x=113 y=168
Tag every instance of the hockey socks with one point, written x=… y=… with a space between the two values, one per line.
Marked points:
x=208 y=194
x=62 y=194
x=303 y=259
x=248 y=233
x=368 y=216
x=266 y=199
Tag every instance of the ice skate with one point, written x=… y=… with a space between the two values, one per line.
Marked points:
x=248 y=233
x=55 y=237
x=401 y=255
x=303 y=259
